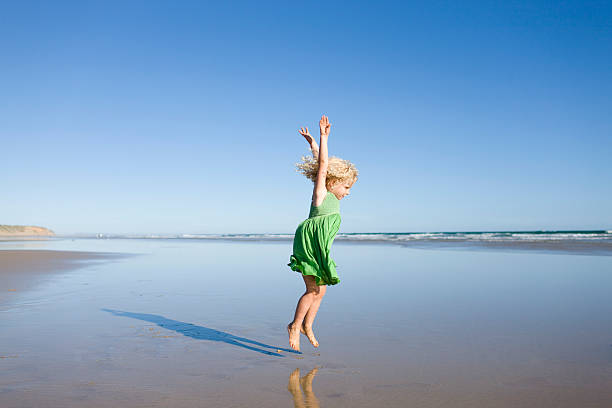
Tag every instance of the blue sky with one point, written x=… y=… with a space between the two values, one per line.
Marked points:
x=173 y=117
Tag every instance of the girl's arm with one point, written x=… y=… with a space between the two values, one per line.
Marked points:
x=320 y=190
x=311 y=141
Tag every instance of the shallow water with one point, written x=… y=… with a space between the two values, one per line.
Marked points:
x=184 y=323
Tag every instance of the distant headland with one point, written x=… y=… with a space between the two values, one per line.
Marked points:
x=24 y=231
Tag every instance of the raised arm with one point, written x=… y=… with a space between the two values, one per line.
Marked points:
x=311 y=141
x=320 y=191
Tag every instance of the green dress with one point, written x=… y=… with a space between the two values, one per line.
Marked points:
x=313 y=240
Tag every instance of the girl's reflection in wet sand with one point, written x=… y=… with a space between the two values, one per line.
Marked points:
x=309 y=399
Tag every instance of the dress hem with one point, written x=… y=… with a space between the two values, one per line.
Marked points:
x=297 y=266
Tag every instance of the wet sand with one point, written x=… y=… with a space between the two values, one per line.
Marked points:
x=203 y=324
x=22 y=269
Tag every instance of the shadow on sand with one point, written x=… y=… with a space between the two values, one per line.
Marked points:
x=201 y=332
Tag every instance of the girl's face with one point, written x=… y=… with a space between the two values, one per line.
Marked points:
x=342 y=188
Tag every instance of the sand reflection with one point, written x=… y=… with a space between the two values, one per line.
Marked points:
x=308 y=399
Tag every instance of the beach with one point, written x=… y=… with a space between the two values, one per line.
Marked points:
x=183 y=323
x=22 y=269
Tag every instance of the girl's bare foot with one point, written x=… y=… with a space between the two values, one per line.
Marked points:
x=307 y=331
x=294 y=337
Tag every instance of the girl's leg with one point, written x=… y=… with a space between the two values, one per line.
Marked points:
x=310 y=316
x=314 y=307
x=305 y=302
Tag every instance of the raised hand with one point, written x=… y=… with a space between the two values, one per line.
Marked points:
x=311 y=141
x=304 y=132
x=324 y=126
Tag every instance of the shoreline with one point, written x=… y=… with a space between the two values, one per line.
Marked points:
x=22 y=269
x=594 y=247
x=602 y=247
x=598 y=248
x=574 y=247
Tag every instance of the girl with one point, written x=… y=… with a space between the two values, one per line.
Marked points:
x=333 y=179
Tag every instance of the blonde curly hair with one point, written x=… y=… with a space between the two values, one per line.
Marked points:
x=338 y=170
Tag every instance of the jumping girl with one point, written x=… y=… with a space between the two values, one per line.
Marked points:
x=333 y=179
